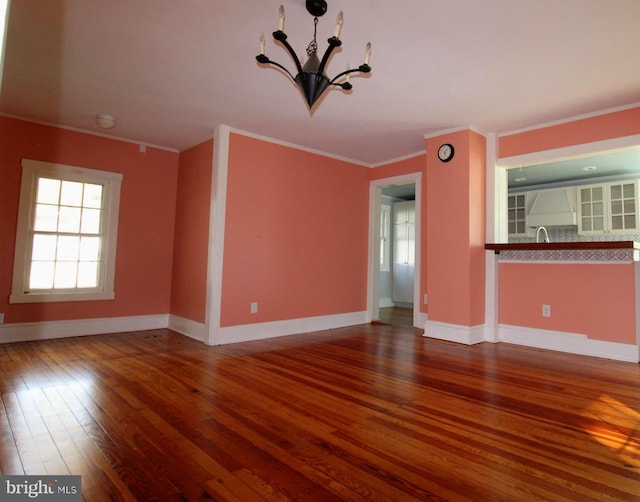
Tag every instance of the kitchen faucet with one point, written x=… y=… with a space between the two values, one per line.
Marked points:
x=546 y=235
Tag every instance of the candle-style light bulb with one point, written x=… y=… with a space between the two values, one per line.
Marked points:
x=339 y=21
x=262 y=43
x=281 y=18
x=367 y=53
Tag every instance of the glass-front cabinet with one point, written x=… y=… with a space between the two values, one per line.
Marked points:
x=517 y=214
x=608 y=208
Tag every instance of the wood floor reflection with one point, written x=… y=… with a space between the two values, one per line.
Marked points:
x=372 y=413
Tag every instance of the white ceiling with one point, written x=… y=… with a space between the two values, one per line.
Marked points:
x=170 y=71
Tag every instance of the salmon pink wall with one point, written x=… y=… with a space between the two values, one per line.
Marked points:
x=295 y=234
x=594 y=300
x=601 y=127
x=455 y=210
x=147 y=215
x=411 y=165
x=190 y=250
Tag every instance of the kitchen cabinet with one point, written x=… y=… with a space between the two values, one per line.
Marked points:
x=404 y=238
x=517 y=214
x=608 y=208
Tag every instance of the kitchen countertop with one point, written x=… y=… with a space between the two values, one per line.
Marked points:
x=555 y=246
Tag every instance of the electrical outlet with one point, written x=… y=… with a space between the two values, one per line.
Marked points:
x=546 y=310
x=254 y=307
x=426 y=299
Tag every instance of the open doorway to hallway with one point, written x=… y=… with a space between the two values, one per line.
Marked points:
x=397 y=255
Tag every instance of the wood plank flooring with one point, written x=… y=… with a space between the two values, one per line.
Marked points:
x=373 y=412
x=398 y=316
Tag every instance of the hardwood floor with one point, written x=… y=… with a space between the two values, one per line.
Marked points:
x=397 y=316
x=372 y=412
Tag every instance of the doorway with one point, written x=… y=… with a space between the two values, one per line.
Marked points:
x=394 y=279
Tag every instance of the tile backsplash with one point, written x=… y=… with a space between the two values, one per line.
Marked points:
x=570 y=234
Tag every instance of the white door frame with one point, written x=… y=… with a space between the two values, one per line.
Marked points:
x=373 y=282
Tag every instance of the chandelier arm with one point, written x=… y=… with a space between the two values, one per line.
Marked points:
x=281 y=37
x=333 y=43
x=362 y=69
x=261 y=58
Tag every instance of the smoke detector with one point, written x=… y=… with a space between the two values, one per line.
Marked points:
x=105 y=121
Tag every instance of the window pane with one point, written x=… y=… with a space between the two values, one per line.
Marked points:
x=586 y=209
x=91 y=221
x=630 y=206
x=630 y=221
x=598 y=223
x=88 y=275
x=44 y=247
x=629 y=191
x=48 y=191
x=92 y=196
x=90 y=248
x=616 y=222
x=65 y=275
x=598 y=208
x=616 y=207
x=69 y=219
x=41 y=275
x=585 y=195
x=71 y=194
x=597 y=193
x=586 y=224
x=46 y=218
x=68 y=248
x=616 y=191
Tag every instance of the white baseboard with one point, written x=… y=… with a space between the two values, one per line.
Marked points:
x=385 y=303
x=22 y=332
x=468 y=335
x=247 y=332
x=187 y=327
x=573 y=343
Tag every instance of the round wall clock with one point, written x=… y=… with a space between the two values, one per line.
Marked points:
x=445 y=152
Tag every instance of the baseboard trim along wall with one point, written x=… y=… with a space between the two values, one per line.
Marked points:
x=385 y=303
x=468 y=335
x=574 y=343
x=27 y=331
x=187 y=327
x=260 y=331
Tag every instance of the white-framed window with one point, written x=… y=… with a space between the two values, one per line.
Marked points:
x=385 y=238
x=66 y=235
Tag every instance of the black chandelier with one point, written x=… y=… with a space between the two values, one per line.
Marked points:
x=311 y=78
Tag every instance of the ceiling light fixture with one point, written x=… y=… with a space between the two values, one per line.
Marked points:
x=105 y=121
x=589 y=168
x=311 y=78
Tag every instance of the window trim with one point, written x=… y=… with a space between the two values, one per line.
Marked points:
x=31 y=171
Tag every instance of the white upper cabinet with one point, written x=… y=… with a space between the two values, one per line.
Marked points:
x=517 y=214
x=608 y=208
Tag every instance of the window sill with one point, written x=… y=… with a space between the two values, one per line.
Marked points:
x=61 y=297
